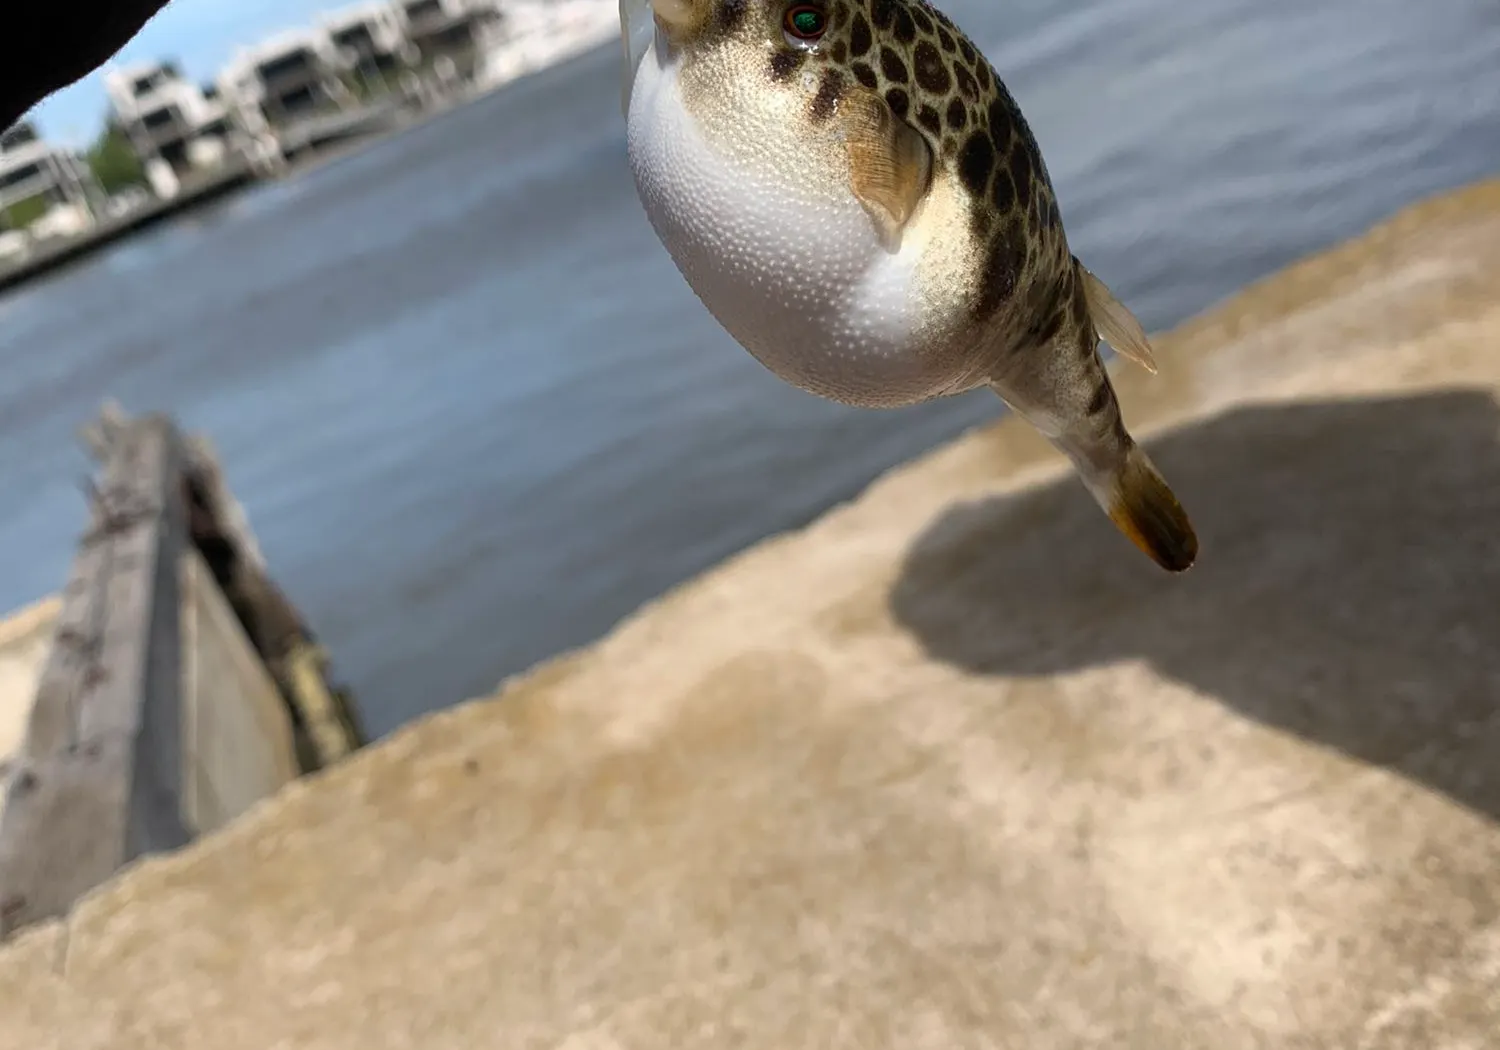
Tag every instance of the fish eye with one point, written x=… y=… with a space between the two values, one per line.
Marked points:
x=804 y=24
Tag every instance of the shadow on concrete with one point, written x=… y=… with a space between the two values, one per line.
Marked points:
x=1348 y=590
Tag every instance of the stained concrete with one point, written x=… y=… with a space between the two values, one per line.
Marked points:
x=953 y=767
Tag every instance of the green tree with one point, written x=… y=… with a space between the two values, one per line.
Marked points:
x=24 y=212
x=114 y=162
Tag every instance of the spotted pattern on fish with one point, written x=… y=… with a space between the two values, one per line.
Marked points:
x=1013 y=309
x=933 y=77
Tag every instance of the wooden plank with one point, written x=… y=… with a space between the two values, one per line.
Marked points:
x=99 y=780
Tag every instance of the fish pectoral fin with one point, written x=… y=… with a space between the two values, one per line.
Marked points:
x=890 y=164
x=1117 y=325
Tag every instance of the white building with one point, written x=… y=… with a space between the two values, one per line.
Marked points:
x=540 y=33
x=289 y=87
x=44 y=188
x=173 y=125
x=453 y=33
x=371 y=41
x=292 y=76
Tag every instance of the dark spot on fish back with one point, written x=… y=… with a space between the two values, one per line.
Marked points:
x=1038 y=301
x=982 y=71
x=1080 y=311
x=1047 y=309
x=1002 y=125
x=892 y=66
x=966 y=85
x=860 y=40
x=830 y=90
x=930 y=71
x=1101 y=400
x=1020 y=173
x=786 y=62
x=1051 y=217
x=883 y=12
x=958 y=114
x=1003 y=191
x=976 y=162
x=945 y=40
x=732 y=14
x=839 y=52
x=929 y=119
x=966 y=49
x=1046 y=327
x=899 y=101
x=1005 y=255
x=919 y=16
x=905 y=29
x=865 y=75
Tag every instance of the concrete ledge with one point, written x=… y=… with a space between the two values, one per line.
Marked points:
x=952 y=767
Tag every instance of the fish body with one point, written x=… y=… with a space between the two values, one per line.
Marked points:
x=853 y=194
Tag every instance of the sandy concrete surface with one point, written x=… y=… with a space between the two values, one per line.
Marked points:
x=953 y=767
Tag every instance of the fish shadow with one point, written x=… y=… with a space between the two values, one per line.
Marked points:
x=1348 y=589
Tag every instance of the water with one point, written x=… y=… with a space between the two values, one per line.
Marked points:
x=475 y=415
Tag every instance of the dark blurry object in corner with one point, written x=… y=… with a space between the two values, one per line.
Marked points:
x=48 y=44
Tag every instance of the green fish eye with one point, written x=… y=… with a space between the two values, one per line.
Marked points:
x=805 y=22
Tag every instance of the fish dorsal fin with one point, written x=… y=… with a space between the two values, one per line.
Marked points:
x=890 y=164
x=1117 y=325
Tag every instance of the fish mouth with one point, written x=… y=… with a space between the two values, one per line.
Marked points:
x=637 y=28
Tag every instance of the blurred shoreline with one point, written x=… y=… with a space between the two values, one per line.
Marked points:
x=241 y=176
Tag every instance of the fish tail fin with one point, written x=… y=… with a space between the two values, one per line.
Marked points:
x=1143 y=507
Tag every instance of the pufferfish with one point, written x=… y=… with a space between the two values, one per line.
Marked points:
x=855 y=197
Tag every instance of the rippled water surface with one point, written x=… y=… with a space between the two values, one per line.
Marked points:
x=476 y=416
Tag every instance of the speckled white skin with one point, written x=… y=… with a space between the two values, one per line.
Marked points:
x=756 y=211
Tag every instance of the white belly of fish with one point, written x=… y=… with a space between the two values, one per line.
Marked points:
x=784 y=257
